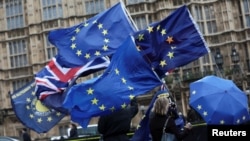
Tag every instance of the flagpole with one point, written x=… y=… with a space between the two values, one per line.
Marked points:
x=129 y=16
x=165 y=85
x=200 y=124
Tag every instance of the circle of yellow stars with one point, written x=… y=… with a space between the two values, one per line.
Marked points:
x=32 y=116
x=162 y=32
x=106 y=40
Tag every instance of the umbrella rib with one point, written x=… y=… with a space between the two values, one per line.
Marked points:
x=217 y=100
x=241 y=102
x=214 y=110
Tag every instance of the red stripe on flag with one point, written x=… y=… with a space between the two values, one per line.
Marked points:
x=63 y=77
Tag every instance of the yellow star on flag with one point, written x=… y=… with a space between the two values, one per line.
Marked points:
x=90 y=91
x=163 y=63
x=170 y=39
x=94 y=101
x=150 y=29
x=170 y=55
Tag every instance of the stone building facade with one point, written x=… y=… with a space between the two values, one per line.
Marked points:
x=25 y=49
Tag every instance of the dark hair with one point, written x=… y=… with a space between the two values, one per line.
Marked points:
x=24 y=129
x=74 y=125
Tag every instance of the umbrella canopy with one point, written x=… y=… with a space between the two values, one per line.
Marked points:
x=219 y=101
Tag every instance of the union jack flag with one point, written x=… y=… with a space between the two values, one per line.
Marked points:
x=54 y=78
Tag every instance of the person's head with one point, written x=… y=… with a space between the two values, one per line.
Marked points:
x=24 y=130
x=73 y=125
x=161 y=105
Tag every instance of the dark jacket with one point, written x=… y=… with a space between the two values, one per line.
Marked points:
x=26 y=137
x=73 y=133
x=156 y=124
x=115 y=126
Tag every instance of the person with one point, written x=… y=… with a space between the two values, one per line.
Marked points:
x=159 y=115
x=193 y=116
x=73 y=131
x=25 y=135
x=115 y=126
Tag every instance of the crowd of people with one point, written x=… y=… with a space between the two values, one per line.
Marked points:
x=115 y=126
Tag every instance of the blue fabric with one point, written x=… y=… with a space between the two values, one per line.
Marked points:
x=180 y=122
x=128 y=75
x=31 y=112
x=55 y=101
x=175 y=40
x=99 y=36
x=219 y=101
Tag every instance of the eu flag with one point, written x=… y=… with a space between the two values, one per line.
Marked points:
x=31 y=112
x=173 y=42
x=127 y=76
x=96 y=37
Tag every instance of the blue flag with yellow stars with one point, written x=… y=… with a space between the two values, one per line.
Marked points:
x=98 y=36
x=127 y=76
x=173 y=42
x=31 y=112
